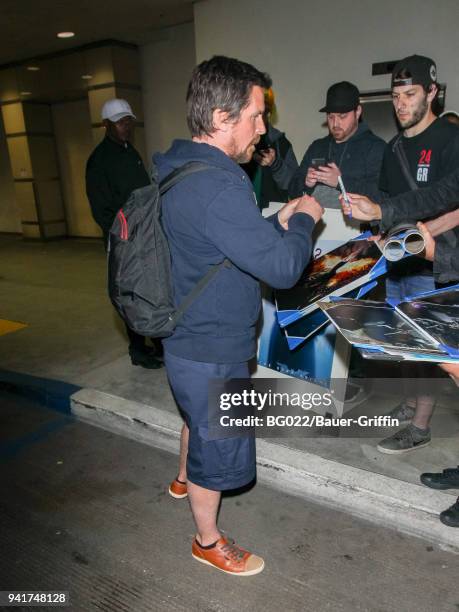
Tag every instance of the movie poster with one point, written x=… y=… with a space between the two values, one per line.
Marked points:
x=334 y=273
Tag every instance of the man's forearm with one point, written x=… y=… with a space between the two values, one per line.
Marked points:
x=423 y=203
x=443 y=223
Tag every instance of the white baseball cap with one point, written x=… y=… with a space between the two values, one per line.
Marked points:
x=115 y=109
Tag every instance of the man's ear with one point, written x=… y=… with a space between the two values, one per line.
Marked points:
x=432 y=92
x=358 y=111
x=220 y=120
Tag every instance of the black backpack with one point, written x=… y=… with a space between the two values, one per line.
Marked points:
x=139 y=264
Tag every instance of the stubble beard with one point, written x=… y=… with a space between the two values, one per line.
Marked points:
x=418 y=115
x=243 y=158
x=341 y=136
x=240 y=157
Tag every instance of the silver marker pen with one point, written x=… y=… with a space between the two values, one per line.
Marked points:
x=344 y=194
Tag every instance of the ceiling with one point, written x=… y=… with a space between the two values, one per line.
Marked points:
x=28 y=28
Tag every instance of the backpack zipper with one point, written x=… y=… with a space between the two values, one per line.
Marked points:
x=124 y=225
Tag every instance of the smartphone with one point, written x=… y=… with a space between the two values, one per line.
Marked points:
x=263 y=144
x=318 y=161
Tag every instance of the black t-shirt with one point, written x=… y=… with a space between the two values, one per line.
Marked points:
x=431 y=155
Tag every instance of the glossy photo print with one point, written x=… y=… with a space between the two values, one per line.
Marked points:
x=335 y=273
x=377 y=324
x=437 y=315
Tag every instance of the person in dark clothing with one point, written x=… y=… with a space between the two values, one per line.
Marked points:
x=442 y=197
x=216 y=337
x=430 y=148
x=274 y=163
x=350 y=150
x=114 y=169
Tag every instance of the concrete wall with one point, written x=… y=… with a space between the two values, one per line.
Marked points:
x=166 y=66
x=306 y=45
x=74 y=143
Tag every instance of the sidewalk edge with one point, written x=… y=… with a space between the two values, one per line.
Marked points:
x=386 y=501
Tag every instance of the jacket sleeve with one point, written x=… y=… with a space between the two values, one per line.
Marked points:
x=99 y=195
x=420 y=204
x=446 y=261
x=234 y=224
x=297 y=186
x=450 y=155
x=284 y=166
x=368 y=183
x=274 y=219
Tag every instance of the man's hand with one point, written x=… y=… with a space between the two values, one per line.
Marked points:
x=328 y=175
x=310 y=206
x=453 y=371
x=429 y=251
x=286 y=212
x=361 y=207
x=265 y=157
x=305 y=204
x=311 y=178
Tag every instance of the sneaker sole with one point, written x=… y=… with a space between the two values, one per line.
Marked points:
x=446 y=522
x=176 y=495
x=439 y=486
x=400 y=424
x=391 y=451
x=248 y=573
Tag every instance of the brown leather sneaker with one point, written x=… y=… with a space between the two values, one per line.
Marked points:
x=177 y=489
x=226 y=556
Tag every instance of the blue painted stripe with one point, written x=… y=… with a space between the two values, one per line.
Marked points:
x=54 y=394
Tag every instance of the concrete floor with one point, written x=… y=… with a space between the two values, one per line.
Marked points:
x=86 y=511
x=58 y=288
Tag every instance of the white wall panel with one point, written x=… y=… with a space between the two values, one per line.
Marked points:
x=308 y=45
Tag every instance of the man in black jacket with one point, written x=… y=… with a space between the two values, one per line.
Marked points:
x=350 y=150
x=113 y=171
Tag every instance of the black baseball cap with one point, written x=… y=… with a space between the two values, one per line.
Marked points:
x=418 y=70
x=341 y=98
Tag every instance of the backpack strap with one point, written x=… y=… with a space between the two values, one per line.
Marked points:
x=169 y=181
x=199 y=287
x=399 y=151
x=180 y=173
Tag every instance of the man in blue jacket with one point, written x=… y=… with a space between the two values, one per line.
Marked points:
x=350 y=150
x=207 y=217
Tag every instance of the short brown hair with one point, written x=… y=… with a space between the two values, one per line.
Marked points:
x=220 y=83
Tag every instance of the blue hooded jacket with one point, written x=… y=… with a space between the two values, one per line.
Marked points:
x=211 y=215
